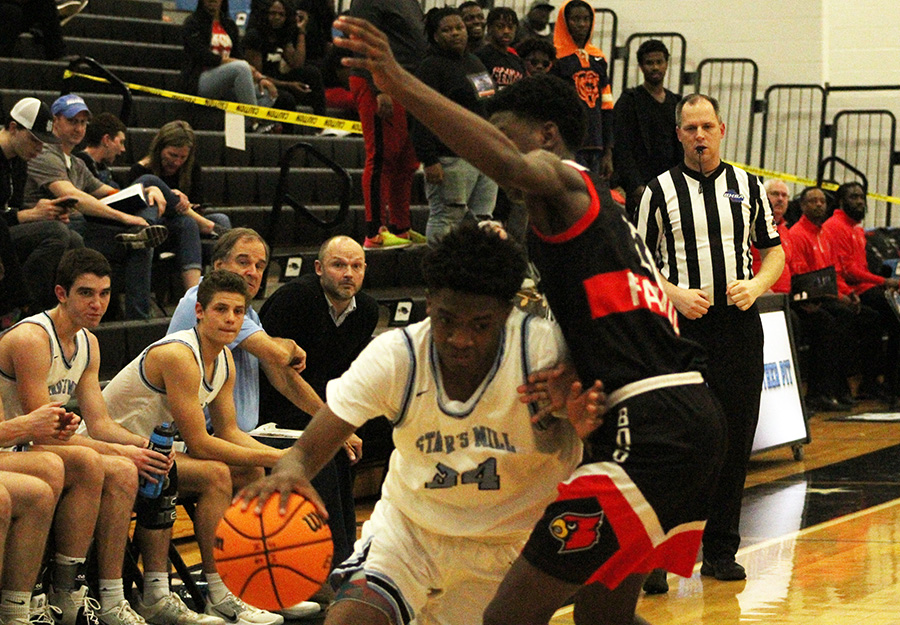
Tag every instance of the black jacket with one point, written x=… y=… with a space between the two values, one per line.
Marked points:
x=463 y=79
x=196 y=36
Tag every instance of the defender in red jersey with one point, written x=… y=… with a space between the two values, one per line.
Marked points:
x=640 y=499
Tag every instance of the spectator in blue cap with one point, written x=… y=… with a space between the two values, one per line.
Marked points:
x=124 y=238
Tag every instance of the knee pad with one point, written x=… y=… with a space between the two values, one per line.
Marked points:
x=358 y=587
x=159 y=513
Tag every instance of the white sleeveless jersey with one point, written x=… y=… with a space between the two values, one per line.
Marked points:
x=64 y=373
x=139 y=406
x=473 y=469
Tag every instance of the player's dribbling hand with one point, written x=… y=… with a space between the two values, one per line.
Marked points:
x=287 y=477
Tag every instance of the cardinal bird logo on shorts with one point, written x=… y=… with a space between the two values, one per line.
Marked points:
x=576 y=532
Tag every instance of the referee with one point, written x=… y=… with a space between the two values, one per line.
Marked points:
x=699 y=219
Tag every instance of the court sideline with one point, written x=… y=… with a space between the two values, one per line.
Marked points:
x=821 y=538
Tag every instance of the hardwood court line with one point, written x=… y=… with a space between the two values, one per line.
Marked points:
x=566 y=610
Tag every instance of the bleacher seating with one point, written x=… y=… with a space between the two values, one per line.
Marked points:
x=130 y=38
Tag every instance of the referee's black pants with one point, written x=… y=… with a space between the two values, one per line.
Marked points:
x=733 y=340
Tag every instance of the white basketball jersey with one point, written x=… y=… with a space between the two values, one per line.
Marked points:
x=478 y=468
x=64 y=373
x=139 y=406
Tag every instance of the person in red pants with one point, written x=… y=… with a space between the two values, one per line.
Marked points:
x=390 y=160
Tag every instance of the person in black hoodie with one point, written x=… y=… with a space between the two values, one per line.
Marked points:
x=452 y=185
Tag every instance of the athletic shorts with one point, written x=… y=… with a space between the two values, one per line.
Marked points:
x=435 y=579
x=641 y=501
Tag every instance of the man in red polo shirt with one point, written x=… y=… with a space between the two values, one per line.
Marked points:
x=848 y=242
x=828 y=327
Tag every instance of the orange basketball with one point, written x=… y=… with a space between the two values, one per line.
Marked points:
x=272 y=561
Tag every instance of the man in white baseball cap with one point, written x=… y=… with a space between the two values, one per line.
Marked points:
x=33 y=115
x=39 y=234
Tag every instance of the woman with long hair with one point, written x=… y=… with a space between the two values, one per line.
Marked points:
x=172 y=158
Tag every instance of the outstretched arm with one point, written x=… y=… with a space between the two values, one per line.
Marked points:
x=468 y=135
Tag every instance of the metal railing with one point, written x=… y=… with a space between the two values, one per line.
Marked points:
x=114 y=81
x=301 y=212
x=733 y=82
x=866 y=139
x=792 y=139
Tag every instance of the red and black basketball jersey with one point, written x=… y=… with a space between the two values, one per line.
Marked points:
x=604 y=290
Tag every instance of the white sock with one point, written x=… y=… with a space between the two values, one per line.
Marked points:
x=216 y=587
x=14 y=604
x=112 y=593
x=156 y=586
x=65 y=572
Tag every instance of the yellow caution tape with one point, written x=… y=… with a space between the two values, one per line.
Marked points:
x=830 y=186
x=247 y=110
x=319 y=121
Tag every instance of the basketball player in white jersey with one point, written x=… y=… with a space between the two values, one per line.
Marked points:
x=30 y=485
x=52 y=356
x=472 y=468
x=641 y=499
x=172 y=381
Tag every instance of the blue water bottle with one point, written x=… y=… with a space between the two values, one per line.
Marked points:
x=161 y=440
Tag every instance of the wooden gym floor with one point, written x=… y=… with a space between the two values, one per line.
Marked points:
x=821 y=538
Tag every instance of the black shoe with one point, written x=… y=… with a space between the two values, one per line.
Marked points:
x=848 y=399
x=821 y=403
x=723 y=569
x=143 y=237
x=656 y=583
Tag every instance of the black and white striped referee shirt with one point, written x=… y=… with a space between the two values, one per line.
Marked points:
x=700 y=228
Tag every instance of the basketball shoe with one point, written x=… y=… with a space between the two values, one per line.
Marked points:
x=143 y=237
x=121 y=614
x=39 y=613
x=385 y=238
x=68 y=604
x=171 y=610
x=233 y=610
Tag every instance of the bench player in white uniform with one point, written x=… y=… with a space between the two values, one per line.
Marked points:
x=52 y=356
x=30 y=486
x=472 y=470
x=172 y=381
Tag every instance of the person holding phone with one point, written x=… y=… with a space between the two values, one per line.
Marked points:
x=51 y=357
x=38 y=236
x=172 y=157
x=122 y=237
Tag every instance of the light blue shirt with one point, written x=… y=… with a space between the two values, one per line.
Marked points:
x=246 y=365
